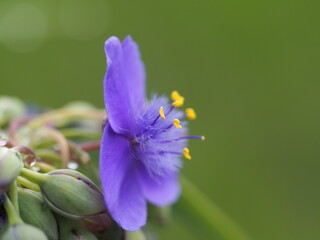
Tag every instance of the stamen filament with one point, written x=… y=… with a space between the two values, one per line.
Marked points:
x=183 y=138
x=162 y=152
x=170 y=110
x=156 y=119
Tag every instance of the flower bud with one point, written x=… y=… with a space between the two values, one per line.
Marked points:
x=23 y=231
x=10 y=108
x=68 y=231
x=11 y=163
x=34 y=211
x=71 y=194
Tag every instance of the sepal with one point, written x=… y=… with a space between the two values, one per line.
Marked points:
x=34 y=211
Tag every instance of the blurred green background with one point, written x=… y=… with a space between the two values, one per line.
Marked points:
x=249 y=68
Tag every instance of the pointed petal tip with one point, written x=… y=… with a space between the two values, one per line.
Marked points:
x=128 y=38
x=131 y=48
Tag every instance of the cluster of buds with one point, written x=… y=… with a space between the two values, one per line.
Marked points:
x=61 y=204
x=44 y=163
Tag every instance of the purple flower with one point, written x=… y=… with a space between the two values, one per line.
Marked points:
x=142 y=141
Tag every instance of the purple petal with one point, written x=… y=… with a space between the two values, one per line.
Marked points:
x=160 y=190
x=124 y=84
x=121 y=187
x=131 y=212
x=135 y=72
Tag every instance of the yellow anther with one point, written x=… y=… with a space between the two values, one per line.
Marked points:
x=177 y=103
x=178 y=100
x=176 y=96
x=203 y=138
x=176 y=123
x=186 y=153
x=191 y=114
x=161 y=112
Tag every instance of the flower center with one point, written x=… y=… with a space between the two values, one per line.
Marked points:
x=163 y=131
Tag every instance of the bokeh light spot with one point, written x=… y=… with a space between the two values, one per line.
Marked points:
x=23 y=28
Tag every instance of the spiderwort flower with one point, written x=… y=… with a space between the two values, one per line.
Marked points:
x=142 y=141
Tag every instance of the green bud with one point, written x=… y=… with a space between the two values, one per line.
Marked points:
x=23 y=231
x=34 y=211
x=69 y=231
x=71 y=194
x=11 y=163
x=10 y=108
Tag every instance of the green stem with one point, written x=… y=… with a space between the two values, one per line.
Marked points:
x=33 y=176
x=197 y=204
x=13 y=216
x=48 y=154
x=25 y=182
x=65 y=114
x=81 y=155
x=44 y=167
x=80 y=133
x=13 y=193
